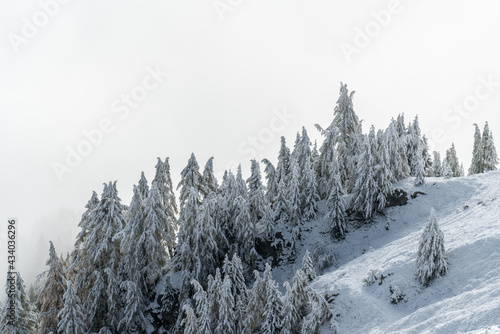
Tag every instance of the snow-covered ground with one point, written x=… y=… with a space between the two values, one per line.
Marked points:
x=466 y=300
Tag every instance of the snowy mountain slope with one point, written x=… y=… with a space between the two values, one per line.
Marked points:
x=467 y=299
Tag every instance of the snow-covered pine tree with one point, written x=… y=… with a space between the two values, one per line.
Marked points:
x=143 y=186
x=427 y=160
x=349 y=132
x=447 y=172
x=202 y=309
x=335 y=217
x=294 y=201
x=102 y=252
x=241 y=186
x=17 y=315
x=308 y=267
x=76 y=267
x=431 y=258
x=191 y=179
x=451 y=160
x=283 y=166
x=133 y=257
x=214 y=291
x=365 y=189
x=244 y=231
x=272 y=186
x=383 y=173
x=257 y=298
x=437 y=167
x=204 y=249
x=50 y=295
x=157 y=238
x=489 y=151
x=327 y=155
x=273 y=307
x=190 y=322
x=71 y=317
x=309 y=191
x=209 y=180
x=267 y=222
x=281 y=205
x=419 y=173
x=133 y=319
x=415 y=148
x=227 y=318
x=256 y=198
x=163 y=180
x=396 y=145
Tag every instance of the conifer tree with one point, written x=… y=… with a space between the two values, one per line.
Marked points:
x=383 y=173
x=163 y=180
x=437 y=167
x=256 y=198
x=452 y=161
x=309 y=192
x=415 y=147
x=244 y=230
x=202 y=309
x=365 y=189
x=327 y=157
x=294 y=201
x=431 y=259
x=241 y=186
x=157 y=238
x=281 y=205
x=257 y=299
x=102 y=257
x=272 y=186
x=191 y=179
x=283 y=166
x=308 y=267
x=227 y=319
x=71 y=317
x=273 y=306
x=396 y=142
x=143 y=186
x=133 y=320
x=489 y=151
x=335 y=217
x=267 y=222
x=77 y=267
x=17 y=315
x=50 y=296
x=190 y=322
x=349 y=131
x=209 y=180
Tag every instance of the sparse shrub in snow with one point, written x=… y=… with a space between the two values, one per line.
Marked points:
x=396 y=294
x=431 y=260
x=323 y=259
x=372 y=277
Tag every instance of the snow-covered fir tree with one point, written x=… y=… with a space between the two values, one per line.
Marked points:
x=227 y=319
x=144 y=186
x=327 y=156
x=102 y=257
x=267 y=222
x=256 y=197
x=76 y=267
x=244 y=231
x=191 y=178
x=163 y=180
x=489 y=151
x=437 y=167
x=50 y=295
x=281 y=205
x=415 y=149
x=383 y=173
x=241 y=186
x=71 y=317
x=202 y=309
x=190 y=322
x=365 y=189
x=133 y=319
x=336 y=216
x=271 y=185
x=209 y=180
x=294 y=202
x=451 y=160
x=309 y=191
x=308 y=267
x=348 y=140
x=431 y=258
x=273 y=307
x=477 y=162
x=283 y=166
x=17 y=314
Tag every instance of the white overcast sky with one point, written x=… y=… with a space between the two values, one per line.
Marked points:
x=230 y=74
